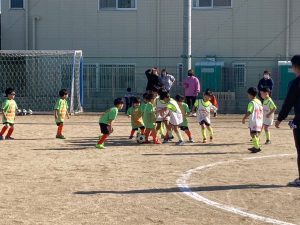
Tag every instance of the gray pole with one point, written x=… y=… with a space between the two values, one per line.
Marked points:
x=187 y=36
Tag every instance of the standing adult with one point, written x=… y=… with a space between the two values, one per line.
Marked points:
x=191 y=89
x=167 y=80
x=293 y=100
x=266 y=82
x=153 y=80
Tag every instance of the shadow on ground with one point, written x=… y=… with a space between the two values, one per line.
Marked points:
x=177 y=190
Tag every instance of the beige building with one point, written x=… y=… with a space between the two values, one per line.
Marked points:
x=124 y=37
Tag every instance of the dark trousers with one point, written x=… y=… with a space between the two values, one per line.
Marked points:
x=297 y=143
x=190 y=101
x=128 y=103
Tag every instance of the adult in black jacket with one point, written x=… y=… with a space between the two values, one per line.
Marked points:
x=293 y=100
x=153 y=80
x=266 y=82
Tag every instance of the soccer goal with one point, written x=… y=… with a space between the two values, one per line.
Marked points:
x=37 y=77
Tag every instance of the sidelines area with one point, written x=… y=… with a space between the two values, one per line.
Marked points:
x=182 y=183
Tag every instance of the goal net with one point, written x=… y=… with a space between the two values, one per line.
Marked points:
x=38 y=76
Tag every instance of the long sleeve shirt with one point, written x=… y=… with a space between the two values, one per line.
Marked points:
x=153 y=81
x=292 y=100
x=191 y=86
x=263 y=83
x=167 y=81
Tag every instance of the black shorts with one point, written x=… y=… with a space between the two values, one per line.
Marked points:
x=183 y=128
x=60 y=123
x=10 y=124
x=104 y=128
x=158 y=122
x=136 y=129
x=203 y=122
x=255 y=132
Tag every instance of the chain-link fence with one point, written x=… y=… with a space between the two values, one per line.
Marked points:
x=228 y=78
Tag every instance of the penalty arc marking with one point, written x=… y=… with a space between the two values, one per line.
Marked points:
x=182 y=183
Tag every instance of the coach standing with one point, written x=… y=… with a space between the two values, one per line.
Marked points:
x=293 y=100
x=191 y=89
x=167 y=80
x=153 y=80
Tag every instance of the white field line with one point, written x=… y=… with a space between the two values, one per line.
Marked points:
x=182 y=183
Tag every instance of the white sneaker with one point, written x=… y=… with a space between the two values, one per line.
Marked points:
x=295 y=183
x=191 y=140
x=180 y=143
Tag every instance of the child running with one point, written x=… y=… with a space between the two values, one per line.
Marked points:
x=269 y=111
x=149 y=119
x=184 y=126
x=162 y=118
x=135 y=113
x=106 y=122
x=60 y=112
x=175 y=114
x=9 y=108
x=255 y=112
x=204 y=107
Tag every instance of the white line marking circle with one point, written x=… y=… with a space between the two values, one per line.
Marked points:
x=182 y=183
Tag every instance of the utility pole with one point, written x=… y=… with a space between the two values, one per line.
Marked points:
x=187 y=36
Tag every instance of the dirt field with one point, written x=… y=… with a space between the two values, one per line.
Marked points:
x=48 y=181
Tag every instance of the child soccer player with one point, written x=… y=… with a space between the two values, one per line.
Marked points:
x=255 y=112
x=175 y=114
x=149 y=119
x=143 y=105
x=204 y=107
x=136 y=117
x=269 y=110
x=106 y=122
x=9 y=108
x=185 y=110
x=162 y=117
x=213 y=101
x=60 y=112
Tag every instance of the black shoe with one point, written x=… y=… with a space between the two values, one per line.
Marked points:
x=254 y=150
x=131 y=137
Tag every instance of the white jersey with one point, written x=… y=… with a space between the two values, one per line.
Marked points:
x=268 y=106
x=203 y=110
x=256 y=118
x=160 y=105
x=176 y=117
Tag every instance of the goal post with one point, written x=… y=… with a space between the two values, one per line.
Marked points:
x=37 y=77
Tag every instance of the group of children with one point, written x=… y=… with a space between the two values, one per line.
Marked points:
x=261 y=116
x=158 y=114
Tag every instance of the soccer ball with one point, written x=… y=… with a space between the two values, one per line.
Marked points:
x=140 y=139
x=30 y=112
x=24 y=112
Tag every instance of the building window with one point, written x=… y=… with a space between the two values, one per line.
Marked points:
x=117 y=4
x=17 y=4
x=212 y=3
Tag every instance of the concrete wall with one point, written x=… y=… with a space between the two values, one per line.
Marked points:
x=250 y=29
